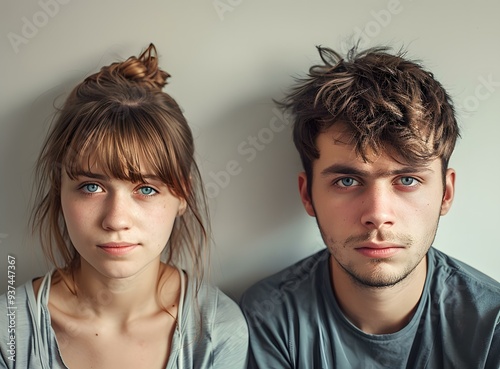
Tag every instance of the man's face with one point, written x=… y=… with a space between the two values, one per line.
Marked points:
x=377 y=218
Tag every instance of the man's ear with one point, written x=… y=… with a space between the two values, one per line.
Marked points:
x=449 y=191
x=304 y=195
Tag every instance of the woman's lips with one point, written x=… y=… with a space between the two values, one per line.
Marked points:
x=117 y=248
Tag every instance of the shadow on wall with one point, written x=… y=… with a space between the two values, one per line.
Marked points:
x=250 y=165
x=25 y=129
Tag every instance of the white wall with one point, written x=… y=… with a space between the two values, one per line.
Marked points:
x=226 y=67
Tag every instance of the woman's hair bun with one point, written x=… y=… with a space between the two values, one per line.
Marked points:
x=143 y=70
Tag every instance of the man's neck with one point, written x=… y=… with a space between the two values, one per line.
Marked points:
x=377 y=310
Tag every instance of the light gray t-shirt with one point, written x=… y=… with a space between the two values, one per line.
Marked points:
x=223 y=343
x=295 y=322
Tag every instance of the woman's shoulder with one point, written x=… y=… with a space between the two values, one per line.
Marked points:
x=23 y=299
x=209 y=296
x=213 y=305
x=17 y=296
x=18 y=313
x=217 y=316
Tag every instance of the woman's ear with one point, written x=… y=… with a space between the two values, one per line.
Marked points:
x=182 y=207
x=186 y=190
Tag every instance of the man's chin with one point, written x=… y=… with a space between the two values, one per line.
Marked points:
x=377 y=279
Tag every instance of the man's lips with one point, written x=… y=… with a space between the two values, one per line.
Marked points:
x=379 y=250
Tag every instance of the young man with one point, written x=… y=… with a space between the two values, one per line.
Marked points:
x=375 y=133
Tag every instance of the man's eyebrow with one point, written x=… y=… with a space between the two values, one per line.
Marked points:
x=349 y=170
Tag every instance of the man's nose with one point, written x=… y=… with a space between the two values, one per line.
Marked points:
x=378 y=202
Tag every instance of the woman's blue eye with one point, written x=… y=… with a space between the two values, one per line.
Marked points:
x=91 y=188
x=147 y=191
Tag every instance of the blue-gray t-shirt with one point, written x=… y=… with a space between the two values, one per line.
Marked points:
x=295 y=322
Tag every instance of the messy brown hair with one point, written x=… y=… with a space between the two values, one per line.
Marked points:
x=119 y=118
x=386 y=101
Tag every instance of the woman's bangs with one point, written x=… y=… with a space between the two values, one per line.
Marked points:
x=121 y=149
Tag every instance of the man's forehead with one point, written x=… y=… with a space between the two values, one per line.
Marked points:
x=339 y=133
x=339 y=140
x=337 y=145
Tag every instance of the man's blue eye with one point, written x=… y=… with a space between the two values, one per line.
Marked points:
x=147 y=191
x=408 y=181
x=347 y=182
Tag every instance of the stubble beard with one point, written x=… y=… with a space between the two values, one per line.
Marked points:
x=378 y=278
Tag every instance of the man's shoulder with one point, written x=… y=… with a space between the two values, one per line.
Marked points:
x=297 y=282
x=292 y=278
x=464 y=311
x=450 y=268
x=462 y=284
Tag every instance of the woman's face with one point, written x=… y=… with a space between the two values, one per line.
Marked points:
x=118 y=227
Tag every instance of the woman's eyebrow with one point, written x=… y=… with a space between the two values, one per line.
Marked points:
x=151 y=176
x=83 y=173
x=103 y=177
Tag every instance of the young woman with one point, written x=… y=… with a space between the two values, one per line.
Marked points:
x=120 y=208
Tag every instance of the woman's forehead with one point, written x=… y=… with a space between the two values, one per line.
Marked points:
x=117 y=166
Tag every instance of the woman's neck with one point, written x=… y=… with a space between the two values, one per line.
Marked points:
x=126 y=298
